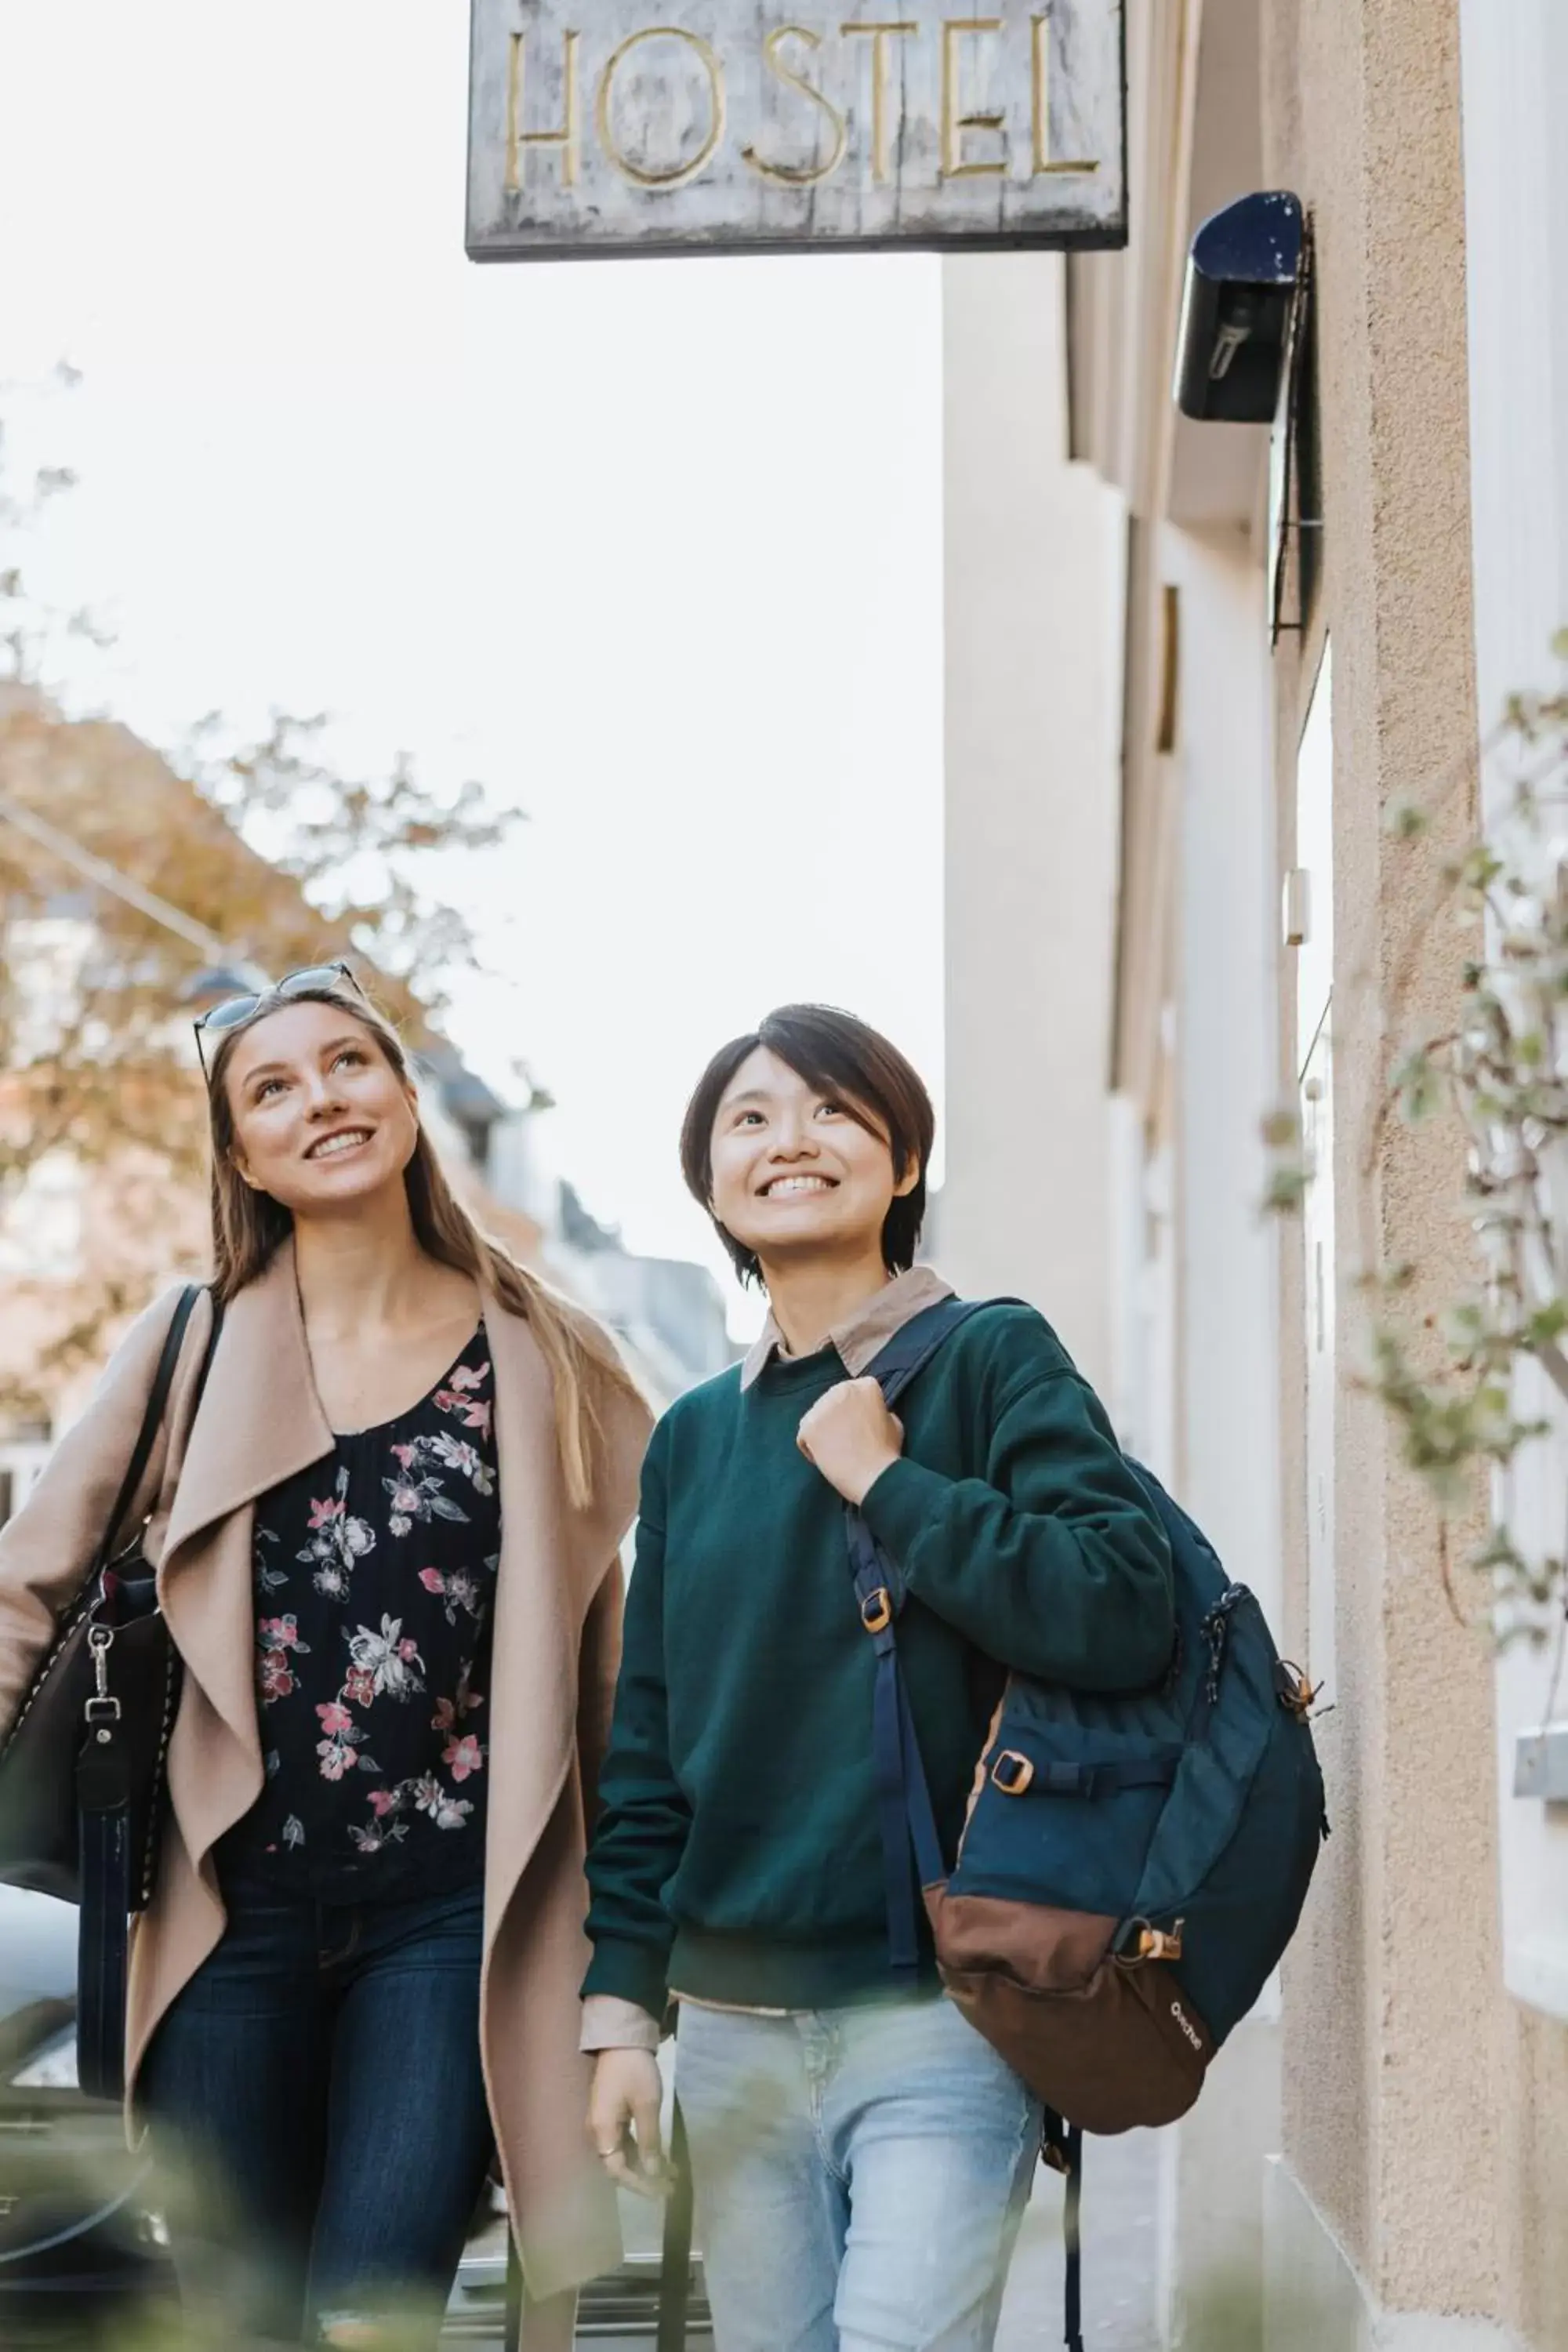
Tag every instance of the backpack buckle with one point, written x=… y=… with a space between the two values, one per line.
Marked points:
x=1152 y=1943
x=1161 y=1943
x=1296 y=1692
x=877 y=1611
x=1012 y=1773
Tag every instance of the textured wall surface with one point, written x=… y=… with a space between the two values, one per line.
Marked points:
x=1395 y=2023
x=1536 y=2180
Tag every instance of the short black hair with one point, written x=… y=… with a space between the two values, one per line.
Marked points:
x=842 y=1056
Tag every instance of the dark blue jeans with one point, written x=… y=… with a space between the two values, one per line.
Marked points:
x=316 y=2098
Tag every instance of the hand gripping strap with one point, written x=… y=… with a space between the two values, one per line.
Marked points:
x=911 y=1850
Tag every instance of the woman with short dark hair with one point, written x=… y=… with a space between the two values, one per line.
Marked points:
x=861 y=2155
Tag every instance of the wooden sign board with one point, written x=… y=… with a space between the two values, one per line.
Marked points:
x=720 y=126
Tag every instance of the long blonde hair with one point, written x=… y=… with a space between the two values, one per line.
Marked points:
x=250 y=1227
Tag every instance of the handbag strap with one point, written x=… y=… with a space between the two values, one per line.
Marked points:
x=103 y=1779
x=152 y=1419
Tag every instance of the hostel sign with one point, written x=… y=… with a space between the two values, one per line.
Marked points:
x=666 y=126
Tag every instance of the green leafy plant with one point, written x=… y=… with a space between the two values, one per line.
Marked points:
x=1472 y=1405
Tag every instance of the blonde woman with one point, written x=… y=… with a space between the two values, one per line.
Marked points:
x=387 y=1548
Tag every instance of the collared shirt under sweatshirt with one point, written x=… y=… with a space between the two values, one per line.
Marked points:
x=737 y=1856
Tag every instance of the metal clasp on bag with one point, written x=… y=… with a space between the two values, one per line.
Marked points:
x=1139 y=1941
x=102 y=1708
x=877 y=1611
x=1296 y=1692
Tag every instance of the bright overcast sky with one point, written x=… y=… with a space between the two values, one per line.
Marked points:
x=653 y=547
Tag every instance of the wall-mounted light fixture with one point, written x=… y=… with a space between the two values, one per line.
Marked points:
x=1237 y=307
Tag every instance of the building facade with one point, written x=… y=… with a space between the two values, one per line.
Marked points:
x=1185 y=718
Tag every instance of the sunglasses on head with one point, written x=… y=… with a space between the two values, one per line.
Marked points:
x=236 y=1011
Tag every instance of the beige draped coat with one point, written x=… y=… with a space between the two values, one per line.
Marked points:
x=557 y=1641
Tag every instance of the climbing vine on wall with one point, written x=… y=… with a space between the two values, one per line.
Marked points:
x=1502 y=1069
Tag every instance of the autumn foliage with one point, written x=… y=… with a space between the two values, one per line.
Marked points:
x=102 y=1116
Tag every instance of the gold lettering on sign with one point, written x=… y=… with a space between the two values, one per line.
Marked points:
x=569 y=139
x=954 y=123
x=881 y=37
x=799 y=175
x=1041 y=29
x=679 y=173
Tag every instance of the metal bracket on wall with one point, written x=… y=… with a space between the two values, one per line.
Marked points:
x=1541 y=1763
x=1284 y=453
x=1294 y=628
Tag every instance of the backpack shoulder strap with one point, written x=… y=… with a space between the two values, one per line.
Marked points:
x=912 y=1849
x=905 y=1356
x=910 y=1350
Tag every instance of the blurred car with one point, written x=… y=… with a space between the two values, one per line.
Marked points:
x=81 y=2239
x=78 y=2237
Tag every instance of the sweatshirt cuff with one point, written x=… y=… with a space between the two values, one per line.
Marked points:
x=610 y=2024
x=901 y=1503
x=632 y=1972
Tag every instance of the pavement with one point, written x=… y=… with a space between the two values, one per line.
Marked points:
x=1120 y=2266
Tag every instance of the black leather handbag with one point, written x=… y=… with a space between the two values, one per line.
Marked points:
x=82 y=1784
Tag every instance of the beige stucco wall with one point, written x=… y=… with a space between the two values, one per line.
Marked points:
x=1032 y=588
x=1426 y=2115
x=1535 y=2178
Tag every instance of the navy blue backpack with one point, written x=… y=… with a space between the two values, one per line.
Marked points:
x=1131 y=1867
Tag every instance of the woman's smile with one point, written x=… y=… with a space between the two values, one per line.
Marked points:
x=343 y=1140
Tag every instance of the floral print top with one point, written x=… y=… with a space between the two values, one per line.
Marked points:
x=374 y=1573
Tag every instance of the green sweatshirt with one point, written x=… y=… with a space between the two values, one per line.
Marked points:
x=737 y=1856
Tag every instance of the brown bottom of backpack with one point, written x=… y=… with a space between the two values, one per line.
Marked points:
x=1110 y=2043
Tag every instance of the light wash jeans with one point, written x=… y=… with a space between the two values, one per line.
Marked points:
x=861 y=2176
